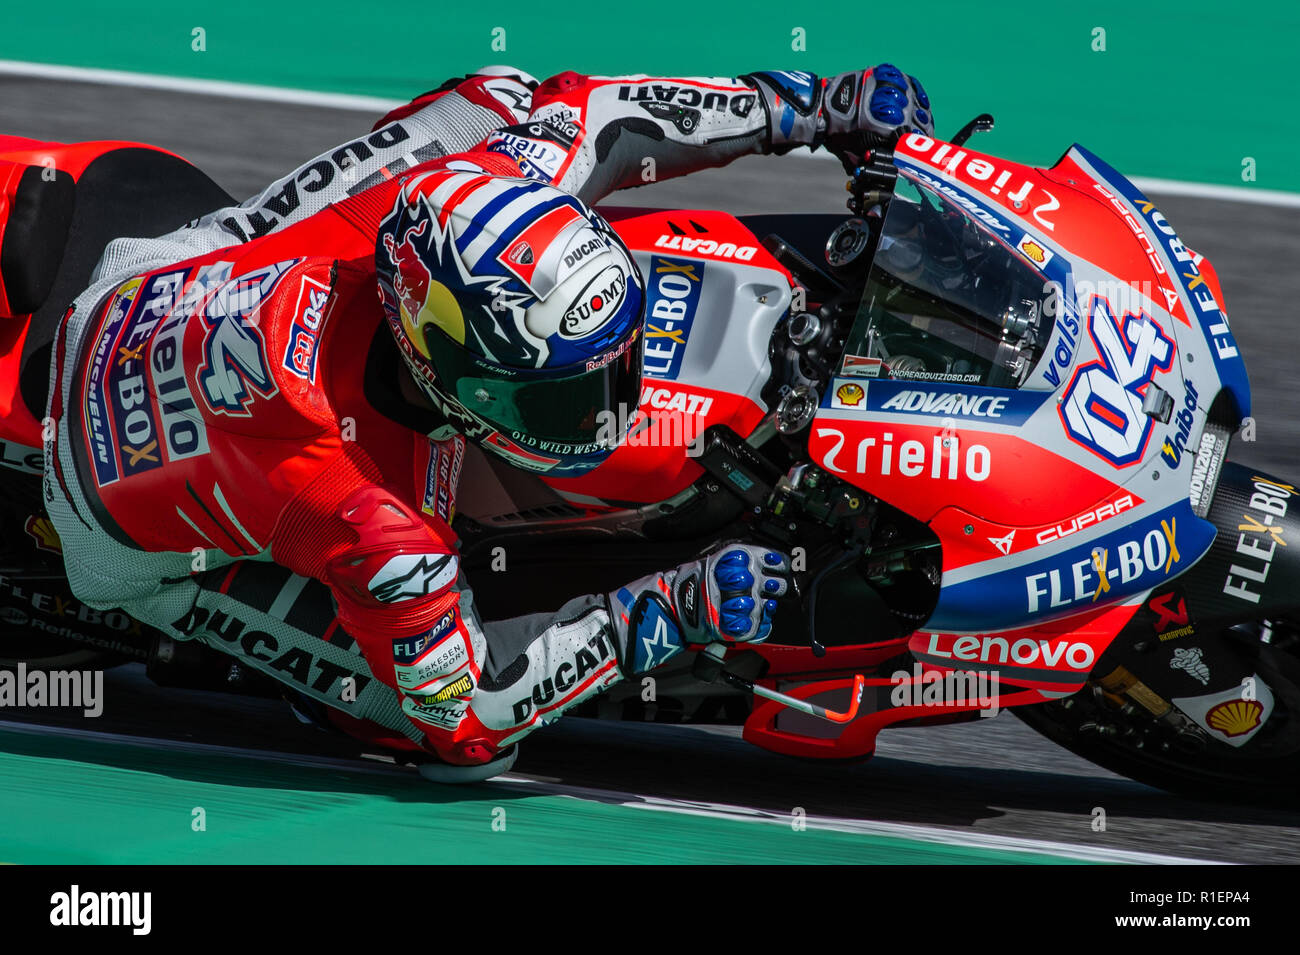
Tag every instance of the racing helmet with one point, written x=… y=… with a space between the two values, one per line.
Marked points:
x=518 y=311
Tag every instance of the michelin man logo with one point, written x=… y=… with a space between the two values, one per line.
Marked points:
x=1188 y=659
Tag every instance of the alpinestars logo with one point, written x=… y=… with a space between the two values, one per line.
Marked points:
x=660 y=645
x=411 y=576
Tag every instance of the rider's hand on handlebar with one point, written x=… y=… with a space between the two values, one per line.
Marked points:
x=730 y=594
x=850 y=113
x=864 y=110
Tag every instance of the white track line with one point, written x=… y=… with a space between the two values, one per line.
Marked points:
x=1205 y=190
x=376 y=104
x=949 y=837
x=273 y=94
x=731 y=813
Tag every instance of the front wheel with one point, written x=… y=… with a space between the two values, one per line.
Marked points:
x=1190 y=759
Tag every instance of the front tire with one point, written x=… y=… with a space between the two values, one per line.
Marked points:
x=1136 y=745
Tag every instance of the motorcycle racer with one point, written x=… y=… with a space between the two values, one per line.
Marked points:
x=234 y=424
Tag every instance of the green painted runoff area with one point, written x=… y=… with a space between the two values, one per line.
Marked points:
x=1186 y=90
x=72 y=800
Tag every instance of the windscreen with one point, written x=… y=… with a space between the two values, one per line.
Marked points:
x=946 y=300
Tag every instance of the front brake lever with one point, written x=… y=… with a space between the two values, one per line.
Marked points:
x=980 y=124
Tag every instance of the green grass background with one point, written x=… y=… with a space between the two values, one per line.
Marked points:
x=1182 y=90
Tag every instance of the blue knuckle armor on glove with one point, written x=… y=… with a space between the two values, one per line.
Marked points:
x=745 y=601
x=850 y=113
x=729 y=595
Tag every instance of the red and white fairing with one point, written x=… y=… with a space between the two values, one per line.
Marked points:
x=1059 y=506
x=713 y=298
x=1068 y=501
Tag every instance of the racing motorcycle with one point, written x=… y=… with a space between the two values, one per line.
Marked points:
x=987 y=412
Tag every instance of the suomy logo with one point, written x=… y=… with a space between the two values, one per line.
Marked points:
x=598 y=302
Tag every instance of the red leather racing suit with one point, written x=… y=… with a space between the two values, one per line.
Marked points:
x=223 y=468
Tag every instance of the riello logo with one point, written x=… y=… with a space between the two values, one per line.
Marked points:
x=943 y=458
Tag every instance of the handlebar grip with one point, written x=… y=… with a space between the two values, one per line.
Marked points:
x=708 y=662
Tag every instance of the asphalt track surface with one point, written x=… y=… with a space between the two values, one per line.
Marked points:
x=990 y=777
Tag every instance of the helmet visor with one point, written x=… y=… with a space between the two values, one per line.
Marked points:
x=570 y=410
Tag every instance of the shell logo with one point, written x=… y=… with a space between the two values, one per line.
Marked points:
x=1034 y=251
x=850 y=394
x=44 y=534
x=1235 y=717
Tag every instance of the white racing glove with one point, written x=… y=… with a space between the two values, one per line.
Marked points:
x=728 y=595
x=850 y=113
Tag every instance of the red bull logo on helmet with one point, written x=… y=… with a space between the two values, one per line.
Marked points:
x=411 y=279
x=422 y=299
